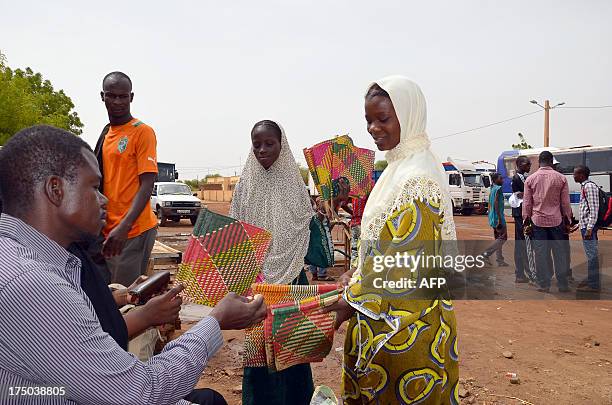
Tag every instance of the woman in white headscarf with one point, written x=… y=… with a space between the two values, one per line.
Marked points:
x=272 y=195
x=401 y=342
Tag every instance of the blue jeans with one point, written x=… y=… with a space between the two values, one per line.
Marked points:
x=590 y=249
x=547 y=241
x=320 y=272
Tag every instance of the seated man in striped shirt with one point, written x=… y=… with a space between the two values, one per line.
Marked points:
x=52 y=347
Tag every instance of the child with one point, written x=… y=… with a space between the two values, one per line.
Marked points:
x=497 y=220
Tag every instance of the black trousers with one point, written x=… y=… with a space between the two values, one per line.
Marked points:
x=205 y=396
x=520 y=249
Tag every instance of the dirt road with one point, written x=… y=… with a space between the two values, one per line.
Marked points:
x=561 y=349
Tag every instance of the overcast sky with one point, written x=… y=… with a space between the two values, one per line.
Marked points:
x=205 y=72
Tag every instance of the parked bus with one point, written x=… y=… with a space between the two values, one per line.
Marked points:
x=597 y=158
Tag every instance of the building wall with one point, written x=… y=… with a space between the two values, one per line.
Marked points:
x=218 y=189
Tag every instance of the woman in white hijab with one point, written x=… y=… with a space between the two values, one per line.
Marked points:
x=401 y=342
x=272 y=195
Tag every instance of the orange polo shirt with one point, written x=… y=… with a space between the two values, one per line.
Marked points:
x=129 y=150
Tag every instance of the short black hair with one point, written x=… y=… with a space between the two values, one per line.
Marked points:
x=376 y=90
x=546 y=157
x=270 y=125
x=584 y=170
x=116 y=75
x=31 y=156
x=521 y=158
x=495 y=176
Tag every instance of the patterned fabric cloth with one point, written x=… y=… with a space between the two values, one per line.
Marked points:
x=546 y=198
x=589 y=204
x=277 y=201
x=335 y=158
x=400 y=348
x=299 y=332
x=290 y=386
x=223 y=255
x=255 y=342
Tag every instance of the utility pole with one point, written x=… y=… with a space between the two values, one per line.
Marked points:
x=547 y=109
x=546 y=123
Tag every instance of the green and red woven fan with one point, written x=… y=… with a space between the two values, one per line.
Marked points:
x=339 y=157
x=223 y=255
x=299 y=332
x=255 y=354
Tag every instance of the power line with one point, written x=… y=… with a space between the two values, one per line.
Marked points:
x=596 y=106
x=515 y=118
x=486 y=126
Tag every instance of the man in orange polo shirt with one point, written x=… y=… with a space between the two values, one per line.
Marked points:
x=127 y=156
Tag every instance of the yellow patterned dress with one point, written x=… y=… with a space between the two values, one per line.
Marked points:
x=401 y=347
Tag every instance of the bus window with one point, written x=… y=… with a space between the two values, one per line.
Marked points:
x=509 y=163
x=569 y=160
x=599 y=161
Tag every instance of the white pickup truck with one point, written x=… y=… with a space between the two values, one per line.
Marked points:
x=173 y=201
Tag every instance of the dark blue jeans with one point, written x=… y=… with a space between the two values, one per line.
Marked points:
x=549 y=241
x=590 y=249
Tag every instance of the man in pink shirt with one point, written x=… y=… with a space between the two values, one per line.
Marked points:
x=546 y=205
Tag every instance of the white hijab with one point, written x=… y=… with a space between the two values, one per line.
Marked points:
x=276 y=200
x=413 y=170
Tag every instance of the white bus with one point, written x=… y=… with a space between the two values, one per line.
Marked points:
x=597 y=158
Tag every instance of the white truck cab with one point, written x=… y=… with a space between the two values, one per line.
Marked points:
x=466 y=187
x=173 y=201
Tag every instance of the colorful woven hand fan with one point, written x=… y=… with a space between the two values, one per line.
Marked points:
x=254 y=342
x=335 y=158
x=299 y=332
x=223 y=255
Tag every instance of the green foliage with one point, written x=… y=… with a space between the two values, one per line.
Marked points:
x=522 y=144
x=208 y=176
x=193 y=184
x=304 y=172
x=380 y=165
x=26 y=99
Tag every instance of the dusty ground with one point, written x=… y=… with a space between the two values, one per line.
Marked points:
x=562 y=349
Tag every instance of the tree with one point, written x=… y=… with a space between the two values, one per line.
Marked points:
x=522 y=144
x=208 y=176
x=304 y=172
x=193 y=184
x=26 y=99
x=380 y=165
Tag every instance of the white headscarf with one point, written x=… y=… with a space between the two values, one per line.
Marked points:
x=413 y=170
x=276 y=200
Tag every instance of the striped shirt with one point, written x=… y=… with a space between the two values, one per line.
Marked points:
x=546 y=198
x=589 y=204
x=51 y=337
